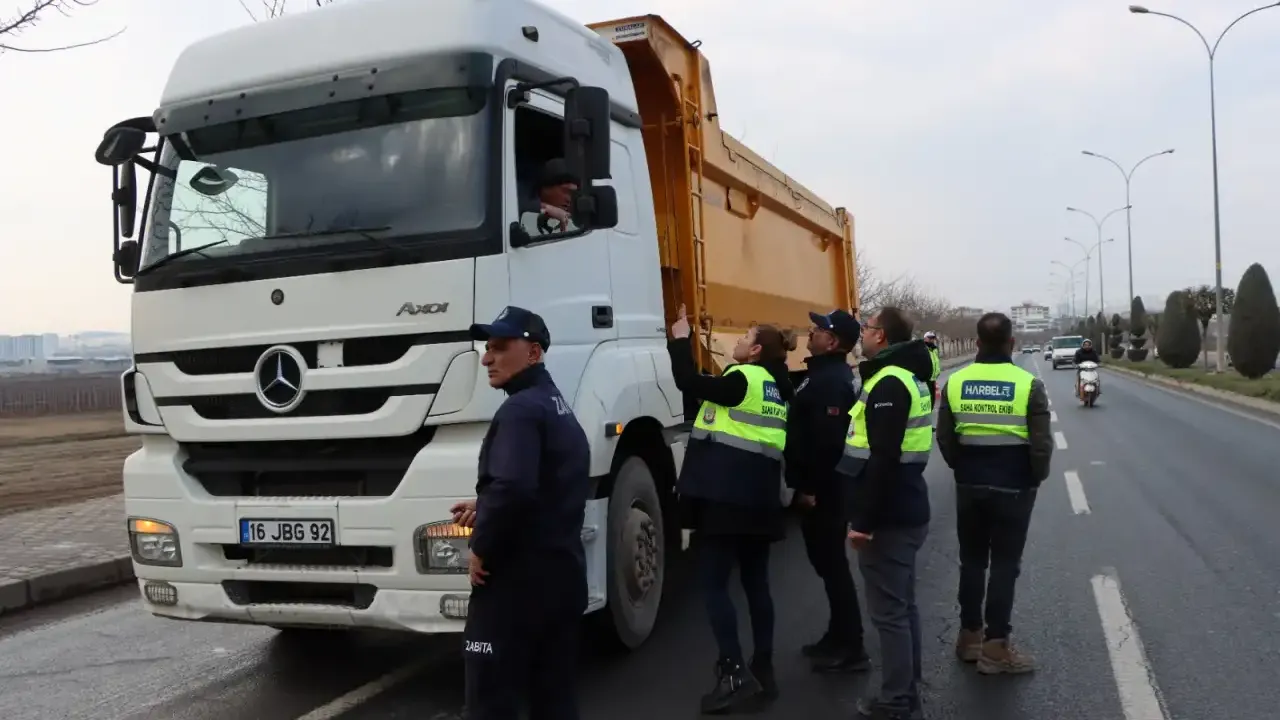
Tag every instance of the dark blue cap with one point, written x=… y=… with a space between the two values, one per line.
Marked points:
x=839 y=323
x=514 y=323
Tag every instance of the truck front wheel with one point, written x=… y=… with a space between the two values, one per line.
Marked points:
x=636 y=553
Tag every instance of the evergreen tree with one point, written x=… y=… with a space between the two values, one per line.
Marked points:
x=1253 y=337
x=1116 y=337
x=1138 y=323
x=1179 y=338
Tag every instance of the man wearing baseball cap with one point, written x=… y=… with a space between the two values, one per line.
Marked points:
x=817 y=421
x=931 y=339
x=527 y=566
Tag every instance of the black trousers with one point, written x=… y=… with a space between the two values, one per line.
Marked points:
x=825 y=540
x=521 y=650
x=717 y=556
x=992 y=528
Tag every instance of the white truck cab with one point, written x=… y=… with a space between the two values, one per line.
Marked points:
x=1064 y=349
x=334 y=197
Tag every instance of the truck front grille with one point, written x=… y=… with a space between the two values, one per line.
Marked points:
x=359 y=467
x=358 y=596
x=356 y=352
x=344 y=556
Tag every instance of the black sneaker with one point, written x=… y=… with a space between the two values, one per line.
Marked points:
x=736 y=689
x=847 y=661
x=870 y=710
x=826 y=646
x=762 y=668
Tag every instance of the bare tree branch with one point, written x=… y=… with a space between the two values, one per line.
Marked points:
x=37 y=11
x=274 y=8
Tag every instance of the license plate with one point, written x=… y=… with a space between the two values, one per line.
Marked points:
x=286 y=532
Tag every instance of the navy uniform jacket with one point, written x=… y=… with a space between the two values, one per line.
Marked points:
x=818 y=423
x=534 y=478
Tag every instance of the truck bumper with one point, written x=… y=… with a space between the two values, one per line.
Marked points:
x=370 y=578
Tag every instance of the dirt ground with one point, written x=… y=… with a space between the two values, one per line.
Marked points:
x=61 y=459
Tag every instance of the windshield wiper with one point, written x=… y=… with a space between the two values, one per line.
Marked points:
x=174 y=256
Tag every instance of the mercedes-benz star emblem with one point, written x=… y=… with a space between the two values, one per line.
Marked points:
x=278 y=375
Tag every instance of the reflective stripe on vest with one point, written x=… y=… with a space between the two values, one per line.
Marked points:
x=918 y=440
x=989 y=402
x=937 y=364
x=758 y=424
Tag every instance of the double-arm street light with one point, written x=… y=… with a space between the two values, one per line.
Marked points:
x=1128 y=203
x=1102 y=284
x=1213 y=132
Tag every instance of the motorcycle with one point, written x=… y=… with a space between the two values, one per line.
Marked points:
x=1088 y=384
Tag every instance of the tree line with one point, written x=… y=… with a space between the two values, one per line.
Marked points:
x=1181 y=330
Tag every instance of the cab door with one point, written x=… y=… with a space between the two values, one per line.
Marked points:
x=566 y=281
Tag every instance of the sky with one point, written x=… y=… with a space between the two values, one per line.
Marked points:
x=952 y=130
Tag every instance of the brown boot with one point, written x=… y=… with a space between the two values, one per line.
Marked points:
x=969 y=645
x=999 y=657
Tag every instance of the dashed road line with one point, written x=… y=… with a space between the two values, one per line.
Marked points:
x=1140 y=695
x=1053 y=416
x=1075 y=492
x=1060 y=439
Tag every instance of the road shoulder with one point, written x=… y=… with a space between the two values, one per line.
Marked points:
x=1222 y=396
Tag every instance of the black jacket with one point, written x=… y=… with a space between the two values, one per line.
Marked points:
x=1087 y=355
x=725 y=490
x=817 y=424
x=882 y=491
x=534 y=470
x=1008 y=467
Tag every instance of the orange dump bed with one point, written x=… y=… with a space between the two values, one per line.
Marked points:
x=741 y=242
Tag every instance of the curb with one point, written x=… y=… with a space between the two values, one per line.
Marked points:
x=64 y=584
x=1263 y=406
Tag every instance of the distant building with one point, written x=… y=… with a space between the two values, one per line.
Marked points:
x=968 y=313
x=1030 y=318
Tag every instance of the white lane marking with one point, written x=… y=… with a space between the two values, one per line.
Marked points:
x=1075 y=491
x=1050 y=402
x=1060 y=439
x=1096 y=462
x=1053 y=416
x=1190 y=395
x=346 y=703
x=1140 y=696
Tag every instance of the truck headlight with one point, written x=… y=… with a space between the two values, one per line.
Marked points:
x=443 y=548
x=153 y=542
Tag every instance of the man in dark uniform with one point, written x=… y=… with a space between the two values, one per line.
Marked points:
x=817 y=423
x=527 y=565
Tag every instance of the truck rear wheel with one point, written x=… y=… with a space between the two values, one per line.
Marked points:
x=636 y=550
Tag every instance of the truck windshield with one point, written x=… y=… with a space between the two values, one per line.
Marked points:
x=1067 y=342
x=411 y=166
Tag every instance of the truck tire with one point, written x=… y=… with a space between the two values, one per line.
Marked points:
x=636 y=548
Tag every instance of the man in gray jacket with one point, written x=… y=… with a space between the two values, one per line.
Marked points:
x=993 y=431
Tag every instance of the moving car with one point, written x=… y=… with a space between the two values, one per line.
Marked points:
x=1064 y=349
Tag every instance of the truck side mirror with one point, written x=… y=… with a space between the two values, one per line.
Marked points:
x=126 y=197
x=119 y=145
x=586 y=133
x=126 y=259
x=596 y=206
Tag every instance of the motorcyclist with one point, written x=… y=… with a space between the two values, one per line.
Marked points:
x=1086 y=353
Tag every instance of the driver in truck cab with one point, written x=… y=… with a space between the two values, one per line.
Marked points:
x=527 y=565
x=554 y=193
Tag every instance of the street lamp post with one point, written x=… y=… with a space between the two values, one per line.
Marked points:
x=1213 y=133
x=1071 y=270
x=1102 y=284
x=1088 y=255
x=1128 y=213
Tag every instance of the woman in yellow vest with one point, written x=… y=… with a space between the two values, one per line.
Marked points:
x=730 y=487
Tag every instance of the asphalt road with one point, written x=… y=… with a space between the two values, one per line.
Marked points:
x=1149 y=592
